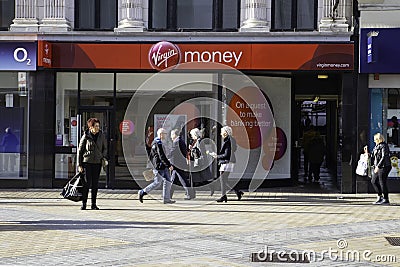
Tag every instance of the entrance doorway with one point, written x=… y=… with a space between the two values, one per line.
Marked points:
x=107 y=126
x=321 y=114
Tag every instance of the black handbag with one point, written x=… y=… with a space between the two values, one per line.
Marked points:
x=73 y=189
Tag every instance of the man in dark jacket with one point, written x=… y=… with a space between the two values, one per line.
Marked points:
x=316 y=156
x=161 y=168
x=179 y=161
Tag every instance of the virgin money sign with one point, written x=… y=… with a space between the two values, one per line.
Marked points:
x=164 y=55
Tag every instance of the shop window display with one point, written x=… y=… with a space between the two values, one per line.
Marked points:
x=392 y=126
x=13 y=126
x=385 y=119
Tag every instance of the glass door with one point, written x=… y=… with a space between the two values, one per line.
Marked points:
x=104 y=115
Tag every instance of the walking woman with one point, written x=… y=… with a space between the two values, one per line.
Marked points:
x=226 y=159
x=91 y=152
x=200 y=167
x=381 y=167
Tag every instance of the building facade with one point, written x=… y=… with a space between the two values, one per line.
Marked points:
x=379 y=78
x=95 y=57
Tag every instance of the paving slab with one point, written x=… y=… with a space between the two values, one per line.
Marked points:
x=39 y=228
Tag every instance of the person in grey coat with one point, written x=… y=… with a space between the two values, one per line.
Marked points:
x=92 y=151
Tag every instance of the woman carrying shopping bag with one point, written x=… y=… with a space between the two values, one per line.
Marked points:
x=92 y=152
x=381 y=167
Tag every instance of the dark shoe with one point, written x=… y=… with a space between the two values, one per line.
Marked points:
x=211 y=191
x=141 y=193
x=378 y=200
x=222 y=199
x=239 y=194
x=384 y=201
x=169 y=201
x=94 y=207
x=83 y=207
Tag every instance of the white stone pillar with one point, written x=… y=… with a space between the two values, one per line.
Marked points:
x=130 y=16
x=25 y=16
x=54 y=18
x=255 y=16
x=334 y=16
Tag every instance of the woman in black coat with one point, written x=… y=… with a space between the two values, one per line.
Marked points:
x=381 y=167
x=226 y=160
x=92 y=151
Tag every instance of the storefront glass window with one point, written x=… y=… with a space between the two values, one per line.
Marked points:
x=97 y=89
x=96 y=14
x=194 y=14
x=6 y=14
x=267 y=95
x=66 y=124
x=292 y=14
x=230 y=14
x=159 y=14
x=386 y=121
x=13 y=125
x=178 y=96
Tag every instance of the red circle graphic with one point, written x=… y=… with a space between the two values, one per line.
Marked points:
x=164 y=55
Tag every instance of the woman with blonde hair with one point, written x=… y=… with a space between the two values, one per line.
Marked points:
x=381 y=167
x=226 y=160
x=200 y=169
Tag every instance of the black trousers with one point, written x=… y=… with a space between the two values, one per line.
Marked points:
x=379 y=181
x=315 y=170
x=183 y=176
x=306 y=163
x=224 y=184
x=92 y=174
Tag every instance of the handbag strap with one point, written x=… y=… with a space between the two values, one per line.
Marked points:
x=77 y=180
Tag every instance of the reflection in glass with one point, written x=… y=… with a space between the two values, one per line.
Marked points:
x=13 y=128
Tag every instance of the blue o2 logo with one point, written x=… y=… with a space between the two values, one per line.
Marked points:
x=21 y=56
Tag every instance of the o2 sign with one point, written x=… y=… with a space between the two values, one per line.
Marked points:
x=21 y=56
x=18 y=56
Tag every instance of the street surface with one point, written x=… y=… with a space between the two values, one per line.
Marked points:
x=39 y=228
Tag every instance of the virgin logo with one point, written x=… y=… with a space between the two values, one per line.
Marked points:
x=163 y=55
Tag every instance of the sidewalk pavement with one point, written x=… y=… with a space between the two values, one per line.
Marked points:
x=39 y=228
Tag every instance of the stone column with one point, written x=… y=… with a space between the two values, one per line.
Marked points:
x=130 y=16
x=54 y=18
x=25 y=16
x=254 y=14
x=334 y=16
